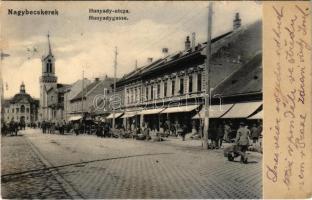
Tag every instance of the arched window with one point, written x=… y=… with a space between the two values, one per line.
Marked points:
x=22 y=108
x=49 y=66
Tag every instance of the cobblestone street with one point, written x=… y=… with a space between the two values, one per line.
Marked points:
x=37 y=165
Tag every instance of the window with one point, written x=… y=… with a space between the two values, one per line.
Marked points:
x=128 y=96
x=158 y=91
x=172 y=87
x=131 y=92
x=22 y=108
x=165 y=89
x=27 y=110
x=190 y=84
x=146 y=93
x=135 y=95
x=199 y=82
x=181 y=86
x=12 y=110
x=152 y=92
x=17 y=110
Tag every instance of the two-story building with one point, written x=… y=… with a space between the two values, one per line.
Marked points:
x=21 y=108
x=90 y=100
x=172 y=88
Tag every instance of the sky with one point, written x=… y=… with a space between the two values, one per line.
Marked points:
x=81 y=44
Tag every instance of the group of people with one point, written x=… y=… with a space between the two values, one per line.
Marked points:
x=225 y=132
x=12 y=127
x=52 y=127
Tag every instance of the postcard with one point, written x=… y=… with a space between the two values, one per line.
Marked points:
x=155 y=99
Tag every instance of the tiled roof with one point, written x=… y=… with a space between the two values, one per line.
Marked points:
x=229 y=52
x=246 y=80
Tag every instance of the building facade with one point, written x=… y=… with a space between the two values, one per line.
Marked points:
x=21 y=108
x=92 y=100
x=171 y=89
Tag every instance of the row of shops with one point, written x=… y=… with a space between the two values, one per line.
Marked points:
x=170 y=90
x=190 y=115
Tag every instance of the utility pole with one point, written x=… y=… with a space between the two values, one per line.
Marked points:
x=207 y=75
x=114 y=90
x=82 y=94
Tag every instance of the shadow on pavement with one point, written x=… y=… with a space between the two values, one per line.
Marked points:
x=4 y=177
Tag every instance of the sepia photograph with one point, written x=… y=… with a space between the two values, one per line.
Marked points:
x=131 y=100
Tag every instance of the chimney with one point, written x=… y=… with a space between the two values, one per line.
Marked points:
x=165 y=51
x=149 y=60
x=236 y=22
x=187 y=43
x=193 y=41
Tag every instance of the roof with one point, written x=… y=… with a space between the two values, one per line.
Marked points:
x=106 y=84
x=6 y=103
x=226 y=50
x=62 y=88
x=246 y=80
x=20 y=96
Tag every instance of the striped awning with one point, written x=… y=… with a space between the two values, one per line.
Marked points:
x=178 y=109
x=129 y=114
x=215 y=111
x=258 y=115
x=110 y=116
x=150 y=111
x=242 y=110
x=74 y=118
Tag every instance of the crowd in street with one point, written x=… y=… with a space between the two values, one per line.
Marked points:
x=12 y=127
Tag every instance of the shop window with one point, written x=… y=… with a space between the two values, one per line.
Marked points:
x=190 y=84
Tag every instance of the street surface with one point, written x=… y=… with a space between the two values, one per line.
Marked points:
x=36 y=165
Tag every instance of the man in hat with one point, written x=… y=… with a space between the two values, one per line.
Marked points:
x=242 y=140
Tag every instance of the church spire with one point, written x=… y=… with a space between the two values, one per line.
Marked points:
x=50 y=51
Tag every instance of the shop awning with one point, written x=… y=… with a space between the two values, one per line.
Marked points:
x=74 y=117
x=215 y=111
x=258 y=115
x=150 y=111
x=242 y=110
x=110 y=116
x=129 y=114
x=177 y=109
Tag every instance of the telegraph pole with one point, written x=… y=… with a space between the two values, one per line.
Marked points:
x=207 y=75
x=114 y=90
x=82 y=92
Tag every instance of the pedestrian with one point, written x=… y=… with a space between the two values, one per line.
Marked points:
x=183 y=131
x=227 y=132
x=254 y=133
x=220 y=135
x=76 y=128
x=43 y=126
x=242 y=140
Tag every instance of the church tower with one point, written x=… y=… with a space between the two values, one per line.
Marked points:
x=47 y=81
